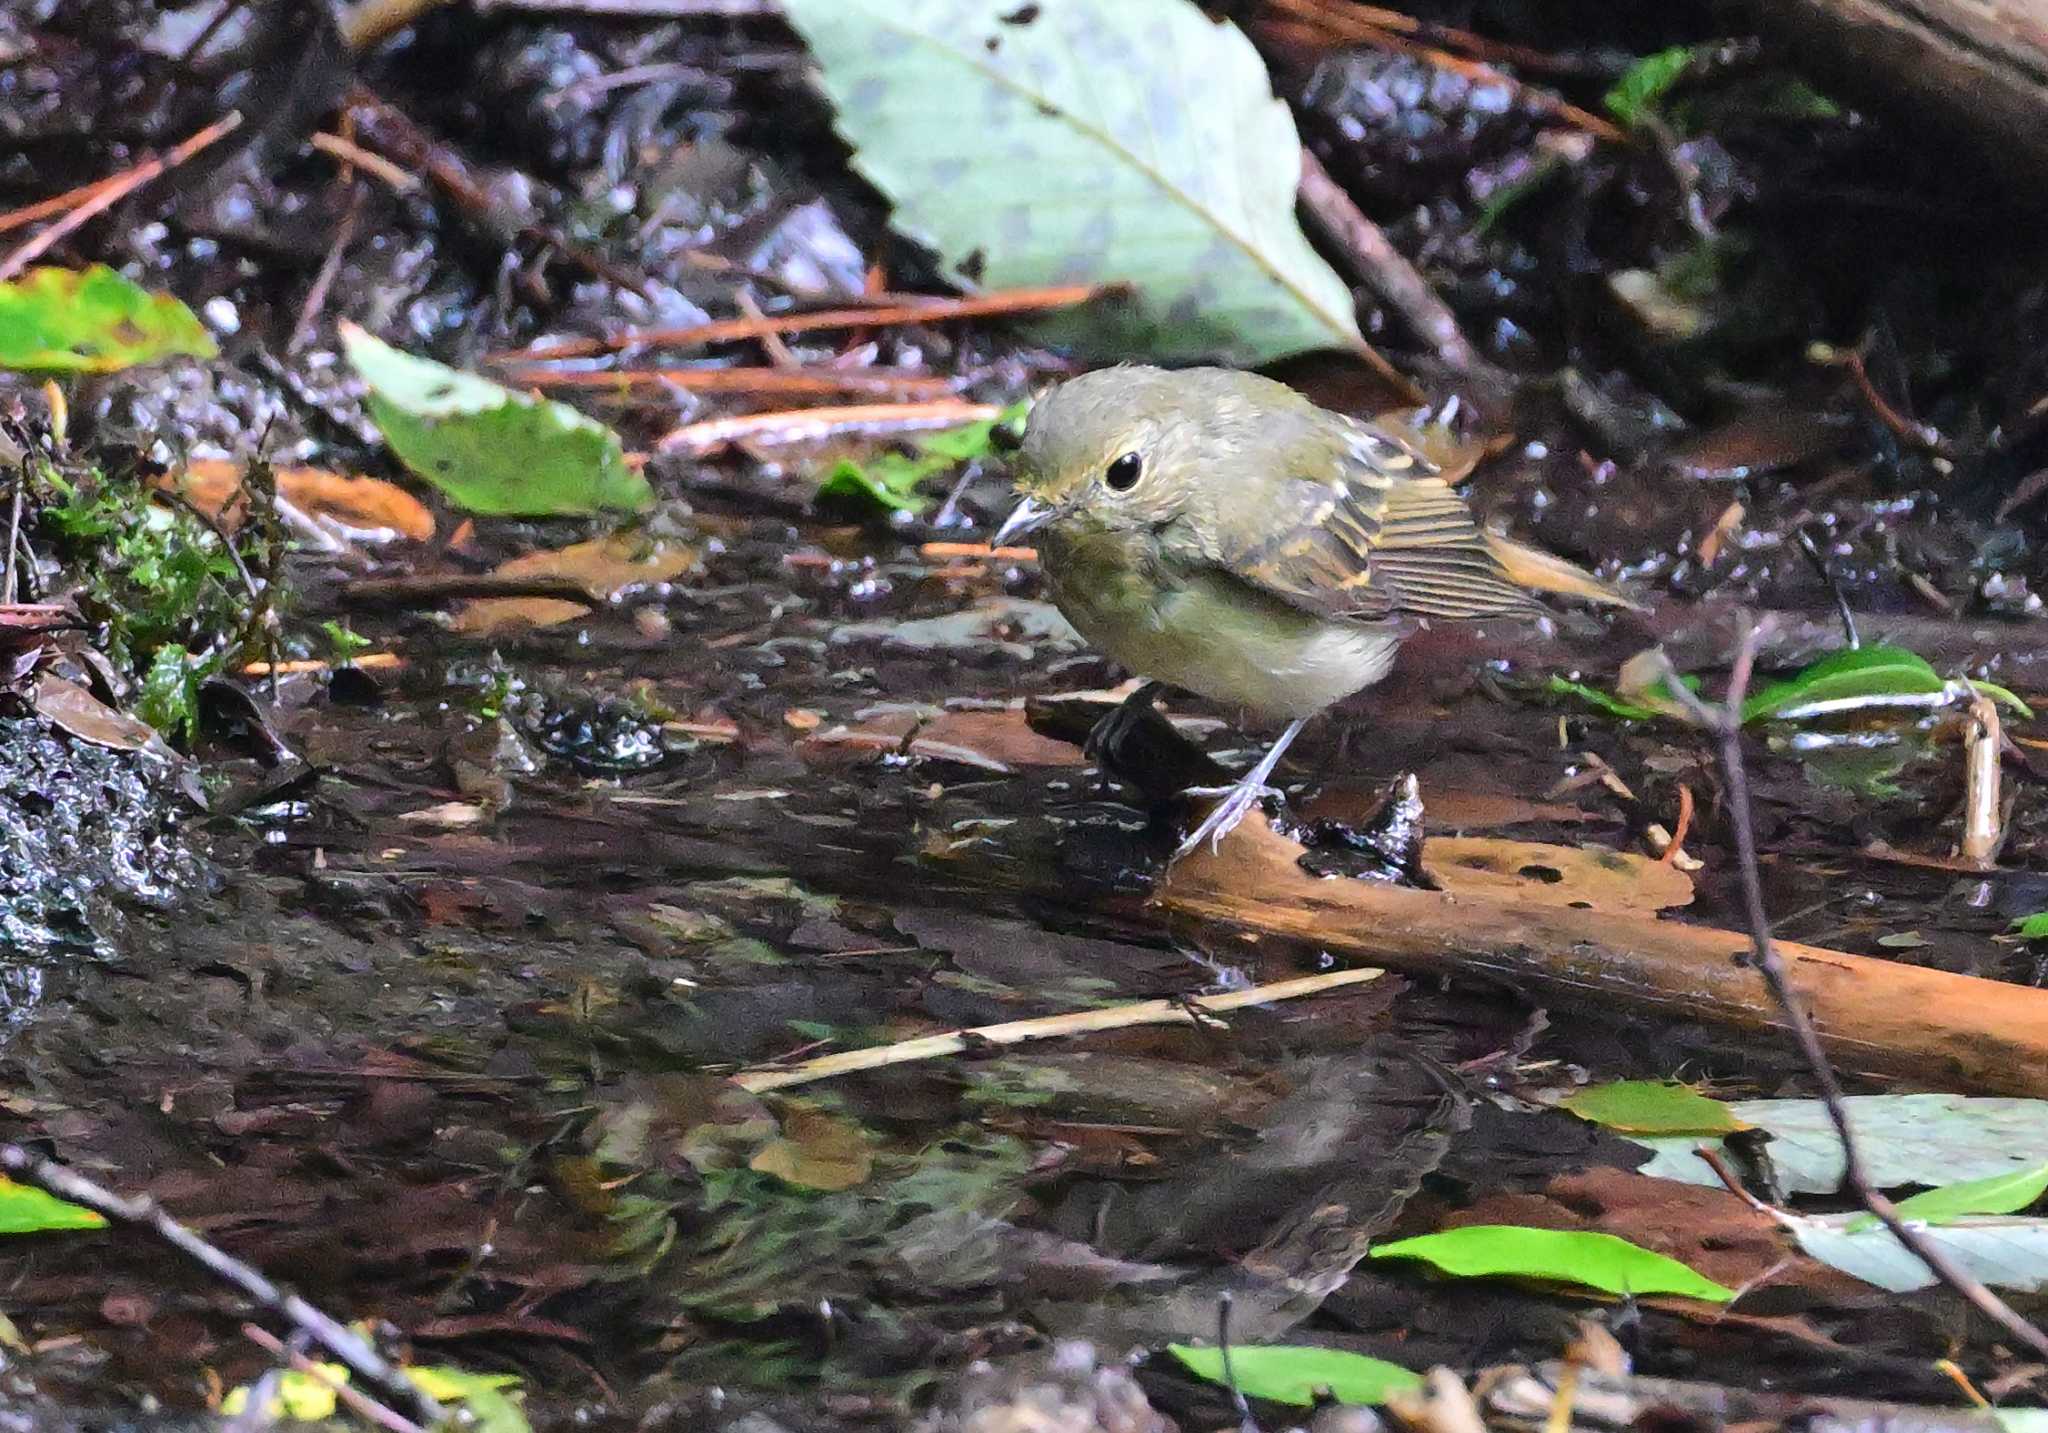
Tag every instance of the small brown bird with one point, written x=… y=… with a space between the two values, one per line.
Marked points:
x=1218 y=531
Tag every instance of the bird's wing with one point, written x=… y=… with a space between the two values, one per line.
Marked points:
x=1373 y=533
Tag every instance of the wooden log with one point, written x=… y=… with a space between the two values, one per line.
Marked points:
x=1978 y=66
x=1952 y=1032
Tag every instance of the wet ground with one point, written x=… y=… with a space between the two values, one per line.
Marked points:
x=428 y=1009
x=439 y=1037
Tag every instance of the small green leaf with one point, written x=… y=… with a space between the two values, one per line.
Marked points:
x=344 y=642
x=1997 y=1194
x=1880 y=670
x=92 y=321
x=24 y=1209
x=1596 y=1261
x=1620 y=705
x=491 y=450
x=299 y=1396
x=1642 y=88
x=1299 y=1374
x=169 y=699
x=891 y=479
x=1652 y=1107
x=2033 y=927
x=488 y=1398
x=888 y=480
x=1602 y=701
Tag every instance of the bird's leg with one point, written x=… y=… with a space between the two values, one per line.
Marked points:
x=1115 y=728
x=1133 y=743
x=1239 y=799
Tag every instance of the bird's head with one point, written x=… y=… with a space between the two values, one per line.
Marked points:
x=1123 y=448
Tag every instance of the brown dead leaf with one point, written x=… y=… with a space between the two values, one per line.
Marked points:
x=1537 y=873
x=371 y=509
x=75 y=710
x=607 y=568
x=816 y=1150
x=997 y=741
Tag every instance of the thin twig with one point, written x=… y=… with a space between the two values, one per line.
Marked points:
x=1363 y=26
x=1726 y=722
x=1833 y=584
x=323 y=281
x=1018 y=1032
x=1384 y=267
x=1924 y=437
x=933 y=310
x=354 y=156
x=738 y=380
x=13 y=533
x=1983 y=812
x=112 y=191
x=354 y=1397
x=144 y=1214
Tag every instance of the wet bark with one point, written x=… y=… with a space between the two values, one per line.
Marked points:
x=1980 y=66
x=1954 y=1032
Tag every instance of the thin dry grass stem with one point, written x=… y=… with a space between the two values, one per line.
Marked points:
x=1193 y=1010
x=354 y=156
x=785 y=427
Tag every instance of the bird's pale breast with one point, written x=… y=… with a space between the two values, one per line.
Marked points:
x=1210 y=634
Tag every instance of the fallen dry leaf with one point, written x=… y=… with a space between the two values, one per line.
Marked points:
x=371 y=509
x=816 y=1150
x=75 y=710
x=606 y=567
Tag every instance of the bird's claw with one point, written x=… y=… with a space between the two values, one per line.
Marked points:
x=1236 y=803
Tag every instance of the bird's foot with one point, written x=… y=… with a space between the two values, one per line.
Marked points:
x=1236 y=803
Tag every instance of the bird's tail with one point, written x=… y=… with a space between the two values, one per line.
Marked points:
x=1541 y=571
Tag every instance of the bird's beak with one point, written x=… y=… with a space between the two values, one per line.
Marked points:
x=1027 y=517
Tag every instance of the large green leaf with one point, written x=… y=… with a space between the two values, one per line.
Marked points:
x=1877 y=670
x=1930 y=1139
x=1299 y=1374
x=1072 y=141
x=91 y=321
x=489 y=449
x=1564 y=1256
x=2005 y=1253
x=2006 y=1193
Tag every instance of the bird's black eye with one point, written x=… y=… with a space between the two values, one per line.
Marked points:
x=1123 y=474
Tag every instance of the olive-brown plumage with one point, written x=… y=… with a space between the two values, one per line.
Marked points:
x=1218 y=531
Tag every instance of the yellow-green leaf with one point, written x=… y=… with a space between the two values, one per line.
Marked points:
x=92 y=321
x=1652 y=1107
x=491 y=450
x=1564 y=1256
x=1995 y=1194
x=25 y=1209
x=1300 y=1374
